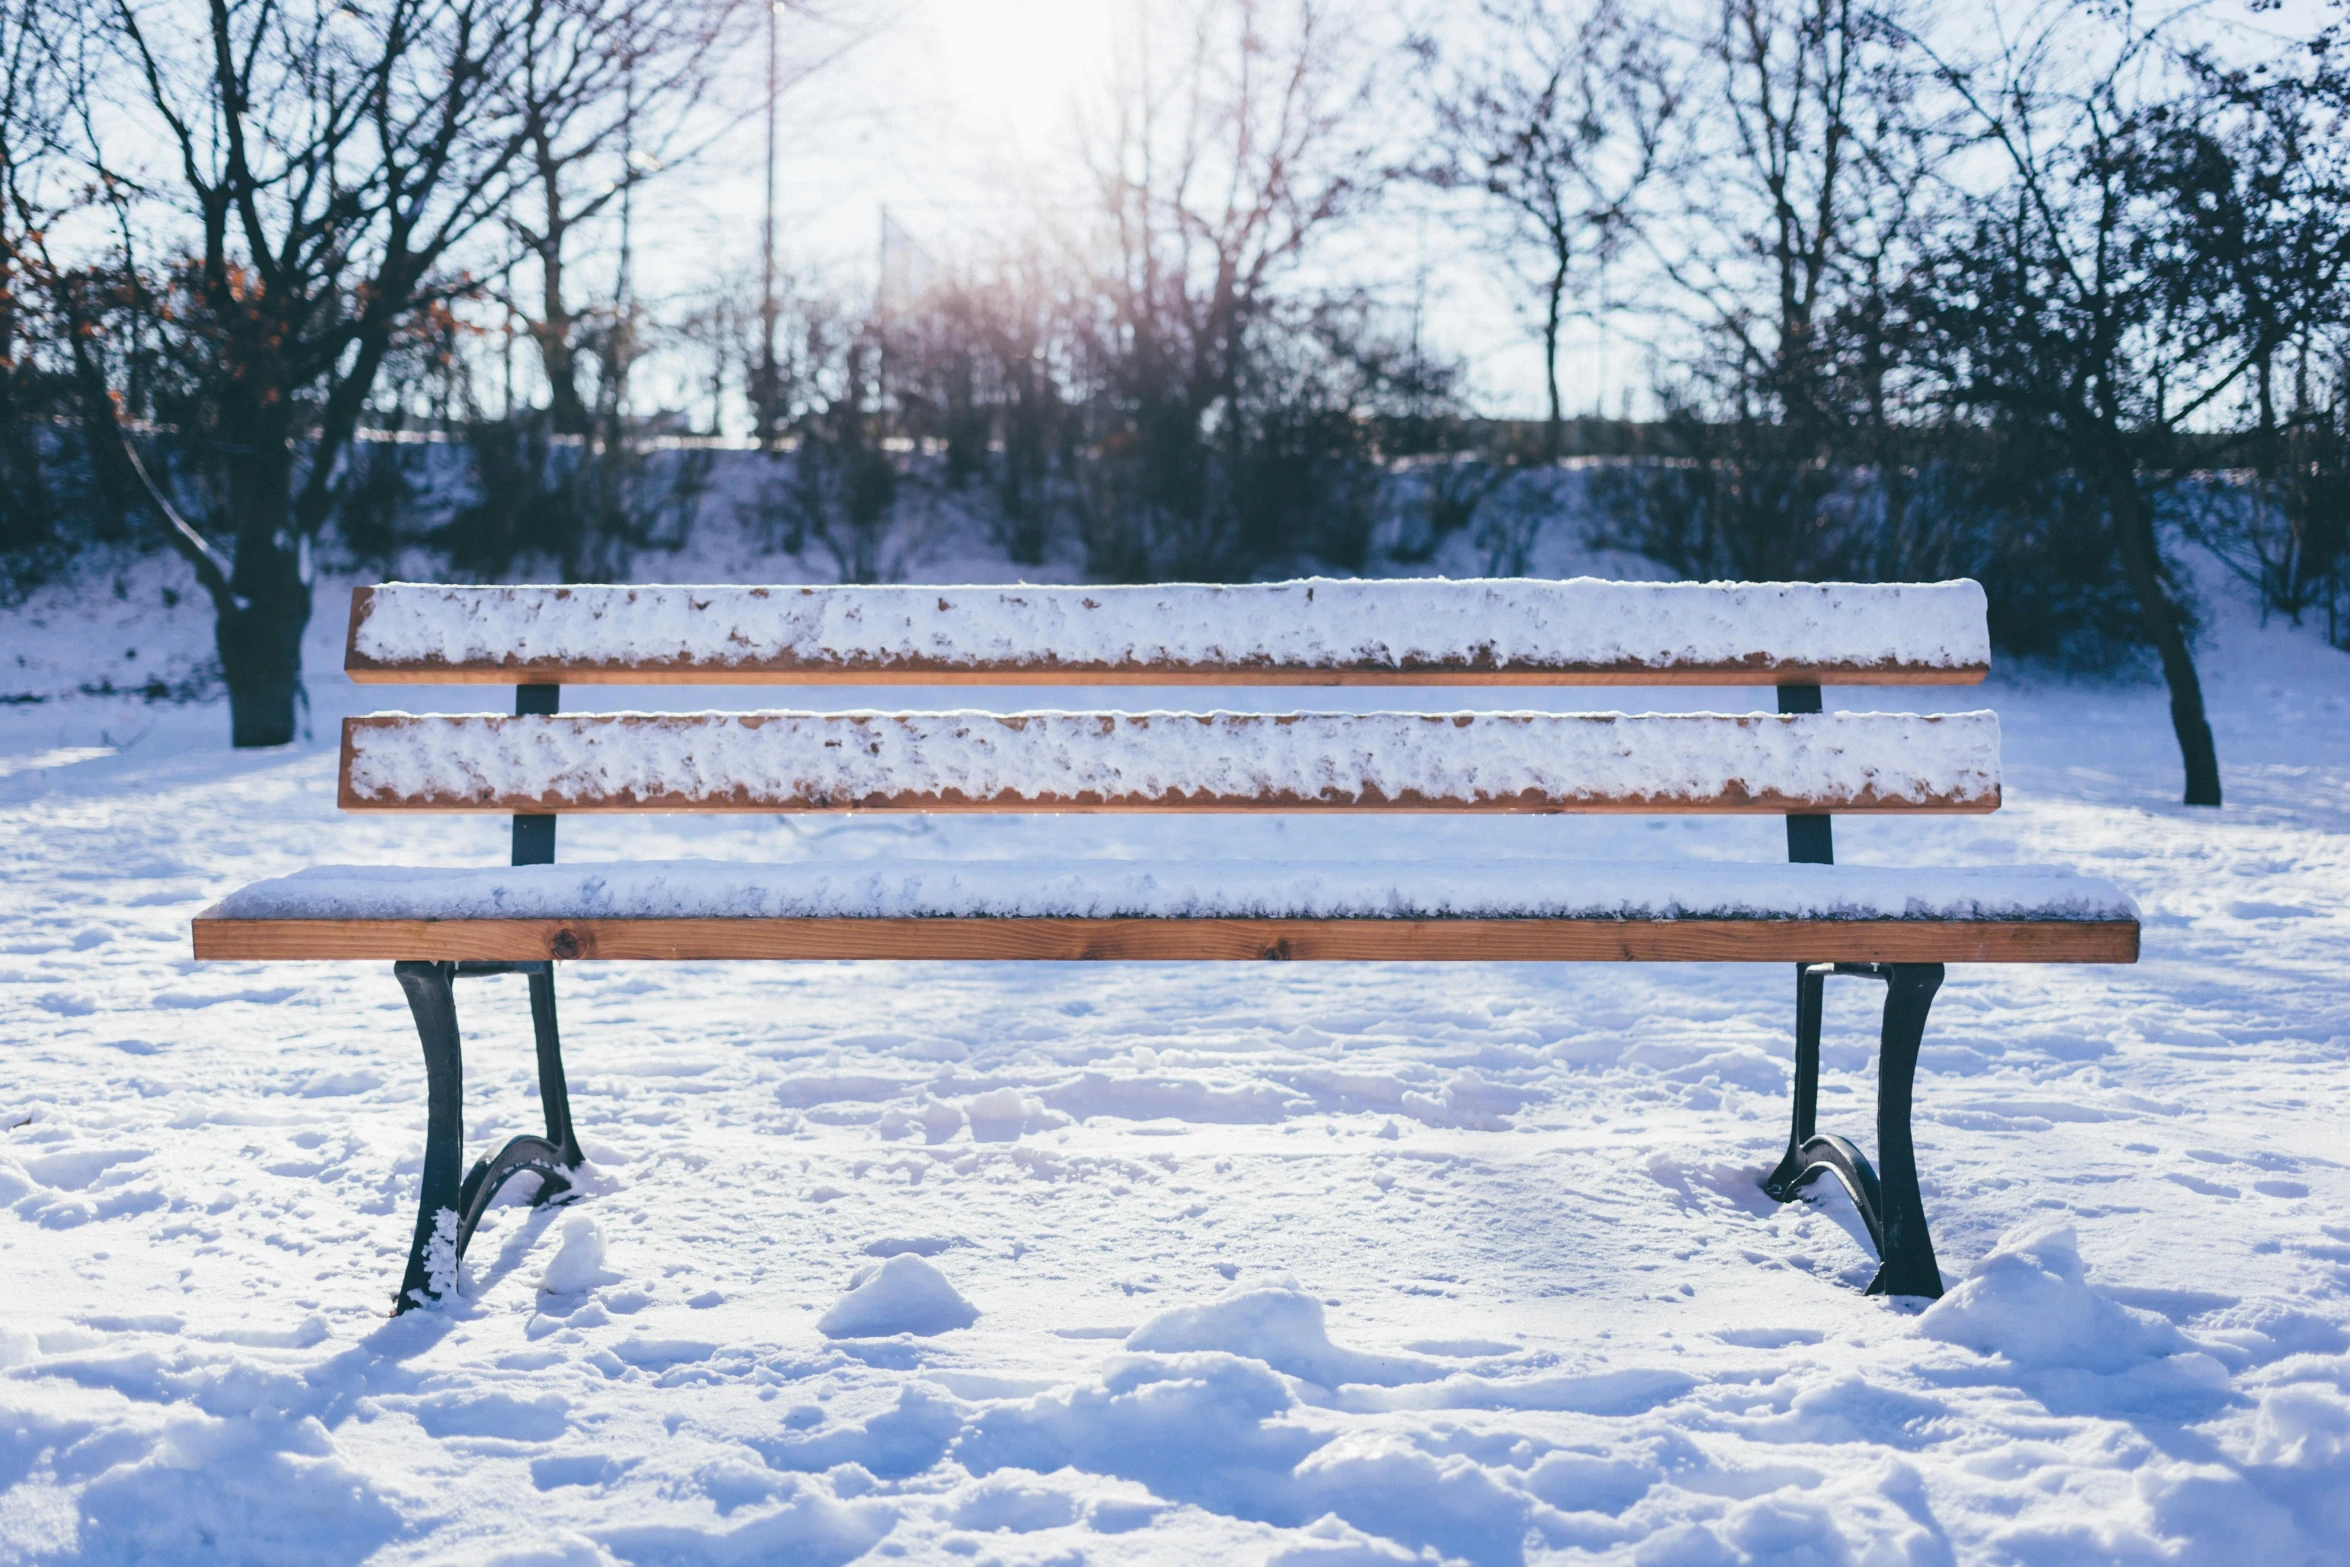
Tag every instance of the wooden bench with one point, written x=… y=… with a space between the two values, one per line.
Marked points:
x=1898 y=926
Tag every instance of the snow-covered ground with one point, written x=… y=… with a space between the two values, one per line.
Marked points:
x=1275 y=1263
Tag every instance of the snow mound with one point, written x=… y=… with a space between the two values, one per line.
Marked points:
x=2306 y=1426
x=1330 y=1541
x=1000 y=1115
x=563 y=1549
x=2029 y=1303
x=2066 y=1343
x=1206 y=1429
x=578 y=1263
x=1220 y=1432
x=1282 y=1326
x=904 y=1294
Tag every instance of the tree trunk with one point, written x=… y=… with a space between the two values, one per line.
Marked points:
x=260 y=644
x=7 y=303
x=559 y=357
x=553 y=332
x=258 y=627
x=2166 y=624
x=1554 y=434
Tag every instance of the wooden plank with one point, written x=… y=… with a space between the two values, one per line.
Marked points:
x=915 y=673
x=1308 y=634
x=1183 y=940
x=1110 y=762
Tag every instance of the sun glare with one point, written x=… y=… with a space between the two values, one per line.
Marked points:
x=1014 y=66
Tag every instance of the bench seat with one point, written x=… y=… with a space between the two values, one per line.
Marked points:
x=1404 y=910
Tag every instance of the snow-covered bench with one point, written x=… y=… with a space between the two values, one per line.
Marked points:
x=1900 y=926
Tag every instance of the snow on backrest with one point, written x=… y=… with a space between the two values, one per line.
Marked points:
x=1497 y=632
x=782 y=761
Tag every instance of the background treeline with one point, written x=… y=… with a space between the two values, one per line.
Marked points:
x=1918 y=297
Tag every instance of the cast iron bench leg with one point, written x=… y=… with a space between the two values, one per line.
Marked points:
x=1888 y=1199
x=433 y=999
x=1906 y=1264
x=554 y=1093
x=449 y=1210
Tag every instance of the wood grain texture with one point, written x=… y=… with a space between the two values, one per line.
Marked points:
x=619 y=763
x=515 y=669
x=1183 y=940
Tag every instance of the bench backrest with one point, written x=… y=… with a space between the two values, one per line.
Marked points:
x=1801 y=762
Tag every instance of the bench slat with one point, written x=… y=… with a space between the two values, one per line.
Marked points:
x=1518 y=909
x=1409 y=632
x=1515 y=887
x=1128 y=940
x=964 y=761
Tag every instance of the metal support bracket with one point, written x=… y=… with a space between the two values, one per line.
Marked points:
x=1888 y=1198
x=448 y=1209
x=534 y=836
x=1811 y=839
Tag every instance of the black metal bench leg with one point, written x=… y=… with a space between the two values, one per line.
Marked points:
x=1810 y=998
x=449 y=1210
x=433 y=1254
x=1887 y=1198
x=554 y=1092
x=1905 y=1248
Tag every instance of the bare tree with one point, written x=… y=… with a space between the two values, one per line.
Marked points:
x=1233 y=137
x=607 y=91
x=1557 y=116
x=320 y=170
x=2163 y=229
x=1792 y=211
x=2257 y=180
x=31 y=114
x=27 y=133
x=2291 y=541
x=1797 y=186
x=975 y=360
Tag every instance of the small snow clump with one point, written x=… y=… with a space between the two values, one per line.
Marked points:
x=904 y=1294
x=1282 y=1326
x=578 y=1264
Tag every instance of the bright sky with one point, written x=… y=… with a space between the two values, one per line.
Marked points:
x=1013 y=67
x=956 y=120
x=956 y=117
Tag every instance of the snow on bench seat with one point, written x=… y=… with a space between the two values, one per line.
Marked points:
x=1180 y=889
x=1521 y=910
x=1580 y=631
x=1193 y=761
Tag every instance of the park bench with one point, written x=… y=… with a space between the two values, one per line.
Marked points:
x=1897 y=926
